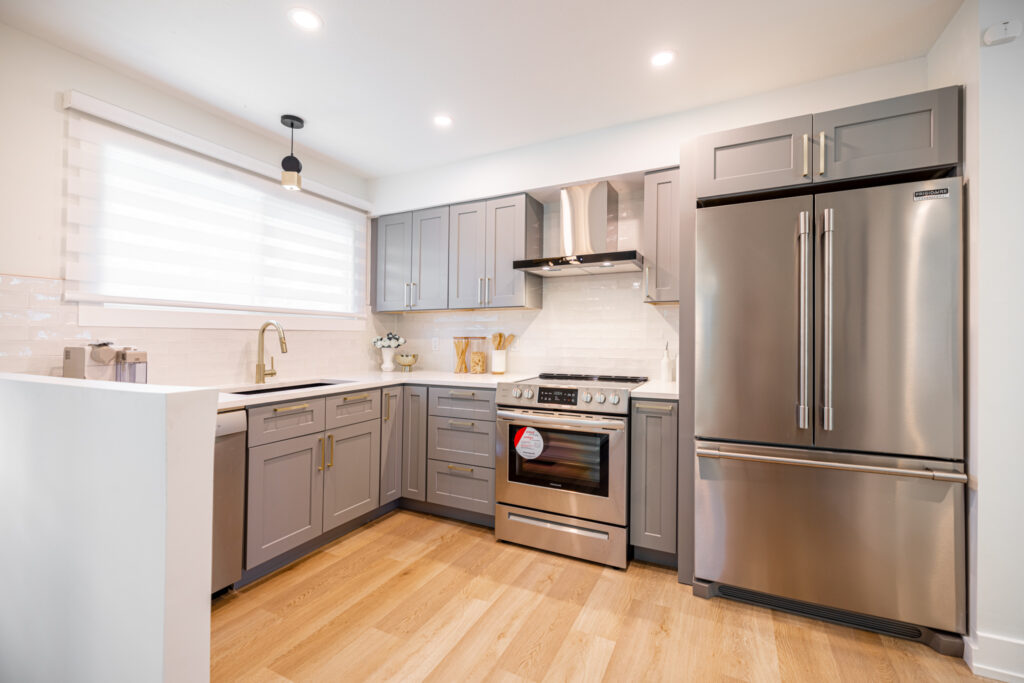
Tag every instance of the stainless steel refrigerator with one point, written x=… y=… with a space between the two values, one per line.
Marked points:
x=829 y=402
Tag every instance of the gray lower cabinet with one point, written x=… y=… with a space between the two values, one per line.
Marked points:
x=661 y=236
x=759 y=157
x=348 y=409
x=471 y=404
x=285 y=496
x=470 y=442
x=461 y=486
x=414 y=443
x=901 y=133
x=352 y=473
x=653 y=462
x=285 y=420
x=391 y=445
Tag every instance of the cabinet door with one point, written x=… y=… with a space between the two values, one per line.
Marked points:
x=661 y=236
x=760 y=157
x=429 y=259
x=653 y=458
x=393 y=262
x=468 y=442
x=459 y=486
x=414 y=443
x=391 y=446
x=898 y=134
x=352 y=473
x=286 y=488
x=505 y=243
x=466 y=227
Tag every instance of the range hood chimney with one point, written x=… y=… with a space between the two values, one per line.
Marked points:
x=588 y=236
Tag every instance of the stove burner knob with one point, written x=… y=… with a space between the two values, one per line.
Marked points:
x=529 y=393
x=517 y=392
x=614 y=399
x=600 y=398
x=587 y=398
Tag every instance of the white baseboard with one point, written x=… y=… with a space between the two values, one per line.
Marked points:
x=995 y=657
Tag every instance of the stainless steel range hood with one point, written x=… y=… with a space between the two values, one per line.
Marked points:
x=588 y=236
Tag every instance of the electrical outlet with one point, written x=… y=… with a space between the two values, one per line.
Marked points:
x=435 y=344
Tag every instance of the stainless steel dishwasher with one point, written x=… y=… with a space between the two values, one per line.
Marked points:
x=228 y=499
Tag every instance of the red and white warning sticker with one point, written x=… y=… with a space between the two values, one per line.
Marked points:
x=529 y=443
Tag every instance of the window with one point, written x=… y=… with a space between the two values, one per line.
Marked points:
x=153 y=224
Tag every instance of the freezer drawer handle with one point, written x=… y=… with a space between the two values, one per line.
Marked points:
x=955 y=477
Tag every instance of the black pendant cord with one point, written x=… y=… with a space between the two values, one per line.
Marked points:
x=291 y=147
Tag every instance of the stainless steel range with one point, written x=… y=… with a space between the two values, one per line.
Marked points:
x=562 y=464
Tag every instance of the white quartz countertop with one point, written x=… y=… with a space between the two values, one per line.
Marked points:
x=668 y=391
x=359 y=382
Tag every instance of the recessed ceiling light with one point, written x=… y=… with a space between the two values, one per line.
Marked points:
x=305 y=19
x=663 y=58
x=442 y=121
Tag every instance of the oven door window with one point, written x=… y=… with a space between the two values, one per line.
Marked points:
x=568 y=460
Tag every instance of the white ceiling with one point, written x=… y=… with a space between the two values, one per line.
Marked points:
x=509 y=73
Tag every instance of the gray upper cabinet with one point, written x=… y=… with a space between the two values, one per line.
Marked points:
x=352 y=473
x=411 y=259
x=653 y=460
x=515 y=228
x=285 y=498
x=484 y=239
x=902 y=133
x=429 y=275
x=393 y=260
x=414 y=443
x=760 y=157
x=905 y=133
x=661 y=236
x=391 y=445
x=467 y=228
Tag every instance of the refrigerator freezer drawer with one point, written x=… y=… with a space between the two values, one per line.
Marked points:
x=877 y=535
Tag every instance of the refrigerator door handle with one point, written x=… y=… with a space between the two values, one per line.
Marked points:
x=952 y=477
x=803 y=358
x=827 y=413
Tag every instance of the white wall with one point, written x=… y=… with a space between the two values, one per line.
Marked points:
x=105 y=520
x=35 y=324
x=639 y=146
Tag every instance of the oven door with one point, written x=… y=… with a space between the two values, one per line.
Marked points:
x=564 y=463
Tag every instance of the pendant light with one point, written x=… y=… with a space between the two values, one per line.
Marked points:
x=291 y=167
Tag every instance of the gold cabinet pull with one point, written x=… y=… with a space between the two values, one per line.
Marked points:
x=460 y=469
x=387 y=407
x=461 y=423
x=321 y=468
x=461 y=394
x=807 y=154
x=330 y=440
x=358 y=397
x=288 y=409
x=821 y=153
x=663 y=407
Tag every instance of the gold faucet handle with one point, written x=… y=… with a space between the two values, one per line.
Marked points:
x=271 y=372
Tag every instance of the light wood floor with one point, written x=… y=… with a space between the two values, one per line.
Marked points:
x=413 y=597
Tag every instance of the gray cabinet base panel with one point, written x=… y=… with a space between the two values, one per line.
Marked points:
x=448 y=512
x=297 y=553
x=657 y=557
x=943 y=642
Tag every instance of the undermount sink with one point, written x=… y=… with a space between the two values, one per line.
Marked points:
x=271 y=388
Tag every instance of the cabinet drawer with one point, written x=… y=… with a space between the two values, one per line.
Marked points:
x=471 y=403
x=285 y=420
x=469 y=442
x=349 y=409
x=459 y=486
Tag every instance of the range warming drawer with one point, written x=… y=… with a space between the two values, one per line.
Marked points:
x=877 y=535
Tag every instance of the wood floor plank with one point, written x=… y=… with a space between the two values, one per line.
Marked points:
x=412 y=597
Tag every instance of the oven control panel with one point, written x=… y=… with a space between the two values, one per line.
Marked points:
x=561 y=396
x=590 y=399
